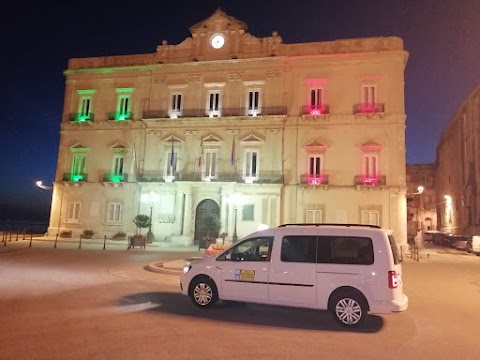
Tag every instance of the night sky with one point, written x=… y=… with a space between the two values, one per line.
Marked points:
x=442 y=38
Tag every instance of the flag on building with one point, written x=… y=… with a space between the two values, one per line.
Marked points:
x=232 y=158
x=201 y=154
x=172 y=160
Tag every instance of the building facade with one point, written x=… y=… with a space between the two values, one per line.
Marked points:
x=458 y=170
x=421 y=205
x=250 y=130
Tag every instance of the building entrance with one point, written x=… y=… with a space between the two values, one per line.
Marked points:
x=207 y=212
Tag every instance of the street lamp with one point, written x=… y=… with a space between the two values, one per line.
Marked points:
x=419 y=191
x=152 y=199
x=39 y=183
x=236 y=200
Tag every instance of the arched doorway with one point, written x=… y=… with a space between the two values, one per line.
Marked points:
x=428 y=224
x=204 y=210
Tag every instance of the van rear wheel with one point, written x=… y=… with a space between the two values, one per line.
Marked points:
x=349 y=308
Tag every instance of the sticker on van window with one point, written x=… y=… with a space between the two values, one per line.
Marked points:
x=244 y=275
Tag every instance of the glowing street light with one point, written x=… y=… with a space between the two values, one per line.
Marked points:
x=419 y=191
x=39 y=183
x=150 y=198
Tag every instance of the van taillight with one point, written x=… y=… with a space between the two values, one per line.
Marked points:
x=392 y=280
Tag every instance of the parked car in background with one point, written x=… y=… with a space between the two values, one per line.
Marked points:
x=429 y=236
x=458 y=242
x=468 y=247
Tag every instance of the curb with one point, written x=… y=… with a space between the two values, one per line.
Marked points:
x=159 y=268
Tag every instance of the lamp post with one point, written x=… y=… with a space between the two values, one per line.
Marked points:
x=152 y=199
x=236 y=200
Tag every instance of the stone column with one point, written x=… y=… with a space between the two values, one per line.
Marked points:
x=179 y=213
x=187 y=217
x=224 y=213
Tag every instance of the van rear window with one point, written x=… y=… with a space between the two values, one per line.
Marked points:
x=393 y=246
x=327 y=249
x=345 y=250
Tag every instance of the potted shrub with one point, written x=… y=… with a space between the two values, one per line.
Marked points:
x=119 y=236
x=66 y=234
x=87 y=234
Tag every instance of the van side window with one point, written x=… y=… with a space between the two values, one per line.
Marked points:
x=345 y=250
x=299 y=249
x=255 y=249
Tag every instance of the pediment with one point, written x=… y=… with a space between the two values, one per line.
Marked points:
x=251 y=139
x=172 y=139
x=119 y=147
x=218 y=21
x=79 y=148
x=315 y=146
x=370 y=145
x=212 y=140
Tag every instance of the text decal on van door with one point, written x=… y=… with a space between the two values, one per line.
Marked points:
x=244 y=275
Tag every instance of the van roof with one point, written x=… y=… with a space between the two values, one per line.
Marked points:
x=326 y=224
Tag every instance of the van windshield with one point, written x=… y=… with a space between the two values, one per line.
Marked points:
x=393 y=246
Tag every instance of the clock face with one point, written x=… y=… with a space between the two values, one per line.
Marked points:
x=217 y=41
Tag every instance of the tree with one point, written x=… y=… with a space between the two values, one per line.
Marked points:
x=141 y=222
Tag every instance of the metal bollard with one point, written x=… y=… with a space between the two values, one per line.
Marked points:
x=80 y=242
x=104 y=241
x=55 y=245
x=31 y=237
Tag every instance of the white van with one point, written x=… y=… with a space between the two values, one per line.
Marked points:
x=476 y=245
x=348 y=269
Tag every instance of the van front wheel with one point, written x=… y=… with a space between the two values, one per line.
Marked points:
x=203 y=293
x=349 y=308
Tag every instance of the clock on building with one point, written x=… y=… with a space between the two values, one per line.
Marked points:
x=217 y=41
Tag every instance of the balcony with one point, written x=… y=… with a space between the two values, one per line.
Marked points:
x=75 y=177
x=379 y=180
x=114 y=178
x=369 y=108
x=120 y=116
x=263 y=178
x=223 y=112
x=81 y=119
x=314 y=179
x=313 y=110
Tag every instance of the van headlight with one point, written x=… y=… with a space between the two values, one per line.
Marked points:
x=187 y=268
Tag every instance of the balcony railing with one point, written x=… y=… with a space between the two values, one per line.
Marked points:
x=369 y=108
x=79 y=177
x=120 y=116
x=379 y=180
x=315 y=110
x=263 y=178
x=314 y=179
x=161 y=114
x=81 y=118
x=114 y=178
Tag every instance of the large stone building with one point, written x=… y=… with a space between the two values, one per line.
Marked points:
x=250 y=130
x=458 y=170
